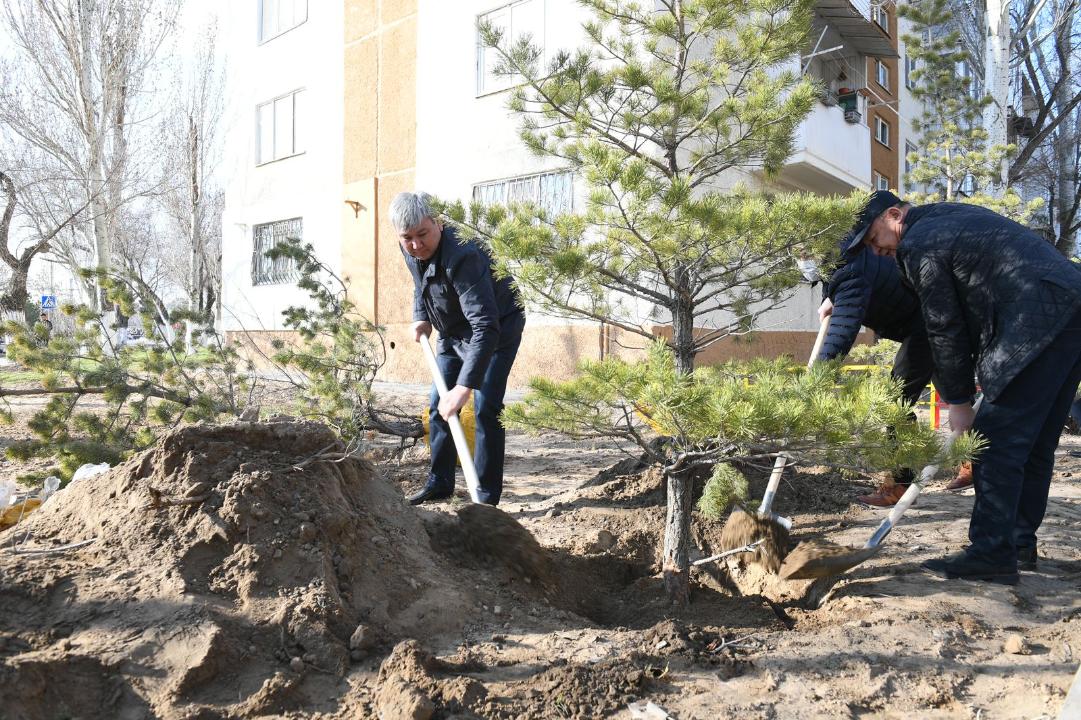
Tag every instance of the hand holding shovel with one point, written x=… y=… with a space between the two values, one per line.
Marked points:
x=456 y=431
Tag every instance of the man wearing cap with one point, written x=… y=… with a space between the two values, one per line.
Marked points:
x=1000 y=302
x=866 y=290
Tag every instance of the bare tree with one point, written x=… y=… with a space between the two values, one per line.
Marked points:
x=194 y=201
x=1045 y=52
x=73 y=92
x=29 y=227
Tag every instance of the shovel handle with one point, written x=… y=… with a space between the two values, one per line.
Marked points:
x=774 y=482
x=456 y=431
x=926 y=475
x=782 y=459
x=823 y=327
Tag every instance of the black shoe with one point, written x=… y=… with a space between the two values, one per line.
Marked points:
x=1026 y=558
x=429 y=492
x=965 y=567
x=903 y=476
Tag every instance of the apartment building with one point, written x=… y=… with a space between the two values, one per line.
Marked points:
x=284 y=145
x=417 y=106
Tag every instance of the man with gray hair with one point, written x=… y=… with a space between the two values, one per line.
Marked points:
x=480 y=323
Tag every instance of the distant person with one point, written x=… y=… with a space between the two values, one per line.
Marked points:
x=44 y=320
x=480 y=324
x=998 y=301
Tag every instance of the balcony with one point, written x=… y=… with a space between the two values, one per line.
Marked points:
x=852 y=20
x=831 y=154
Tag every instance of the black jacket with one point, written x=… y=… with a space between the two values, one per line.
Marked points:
x=458 y=293
x=993 y=293
x=868 y=290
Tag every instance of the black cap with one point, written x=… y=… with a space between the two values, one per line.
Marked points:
x=879 y=202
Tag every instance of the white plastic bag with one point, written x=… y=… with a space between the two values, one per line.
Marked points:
x=52 y=484
x=7 y=494
x=89 y=470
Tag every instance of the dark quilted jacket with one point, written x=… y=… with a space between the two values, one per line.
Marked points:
x=993 y=294
x=867 y=290
x=459 y=294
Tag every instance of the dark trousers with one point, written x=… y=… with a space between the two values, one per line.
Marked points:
x=914 y=368
x=1022 y=426
x=491 y=437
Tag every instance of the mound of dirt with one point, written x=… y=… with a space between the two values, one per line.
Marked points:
x=231 y=575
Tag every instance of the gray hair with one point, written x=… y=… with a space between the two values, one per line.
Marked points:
x=408 y=209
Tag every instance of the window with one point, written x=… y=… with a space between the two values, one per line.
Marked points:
x=265 y=271
x=882 y=131
x=518 y=19
x=882 y=74
x=881 y=182
x=278 y=128
x=969 y=79
x=909 y=149
x=554 y=191
x=910 y=65
x=880 y=16
x=279 y=16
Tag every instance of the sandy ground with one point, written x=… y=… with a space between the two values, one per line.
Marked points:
x=891 y=641
x=492 y=639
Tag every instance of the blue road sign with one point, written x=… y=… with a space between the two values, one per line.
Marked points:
x=48 y=302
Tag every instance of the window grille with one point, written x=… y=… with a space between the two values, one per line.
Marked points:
x=265 y=271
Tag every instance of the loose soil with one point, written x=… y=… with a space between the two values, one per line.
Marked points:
x=234 y=576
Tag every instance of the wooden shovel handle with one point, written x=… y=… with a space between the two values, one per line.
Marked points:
x=823 y=328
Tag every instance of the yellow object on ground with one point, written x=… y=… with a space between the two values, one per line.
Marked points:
x=16 y=512
x=469 y=424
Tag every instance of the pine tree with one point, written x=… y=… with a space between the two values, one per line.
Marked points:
x=744 y=413
x=669 y=105
x=954 y=147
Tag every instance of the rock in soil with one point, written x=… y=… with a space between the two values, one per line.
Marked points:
x=398 y=700
x=1015 y=645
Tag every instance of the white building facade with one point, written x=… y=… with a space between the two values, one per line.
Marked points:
x=284 y=176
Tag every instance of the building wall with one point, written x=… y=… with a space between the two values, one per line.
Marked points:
x=910 y=108
x=307 y=185
x=883 y=105
x=408 y=114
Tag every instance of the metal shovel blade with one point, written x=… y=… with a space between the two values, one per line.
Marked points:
x=818 y=558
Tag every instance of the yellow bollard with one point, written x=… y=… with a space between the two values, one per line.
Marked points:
x=469 y=424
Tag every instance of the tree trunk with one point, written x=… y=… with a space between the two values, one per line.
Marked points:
x=997 y=79
x=95 y=146
x=675 y=561
x=15 y=296
x=1065 y=147
x=683 y=333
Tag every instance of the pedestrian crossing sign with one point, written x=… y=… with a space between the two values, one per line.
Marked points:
x=48 y=302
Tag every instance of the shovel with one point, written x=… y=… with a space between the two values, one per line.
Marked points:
x=825 y=562
x=765 y=531
x=782 y=459
x=456 y=431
